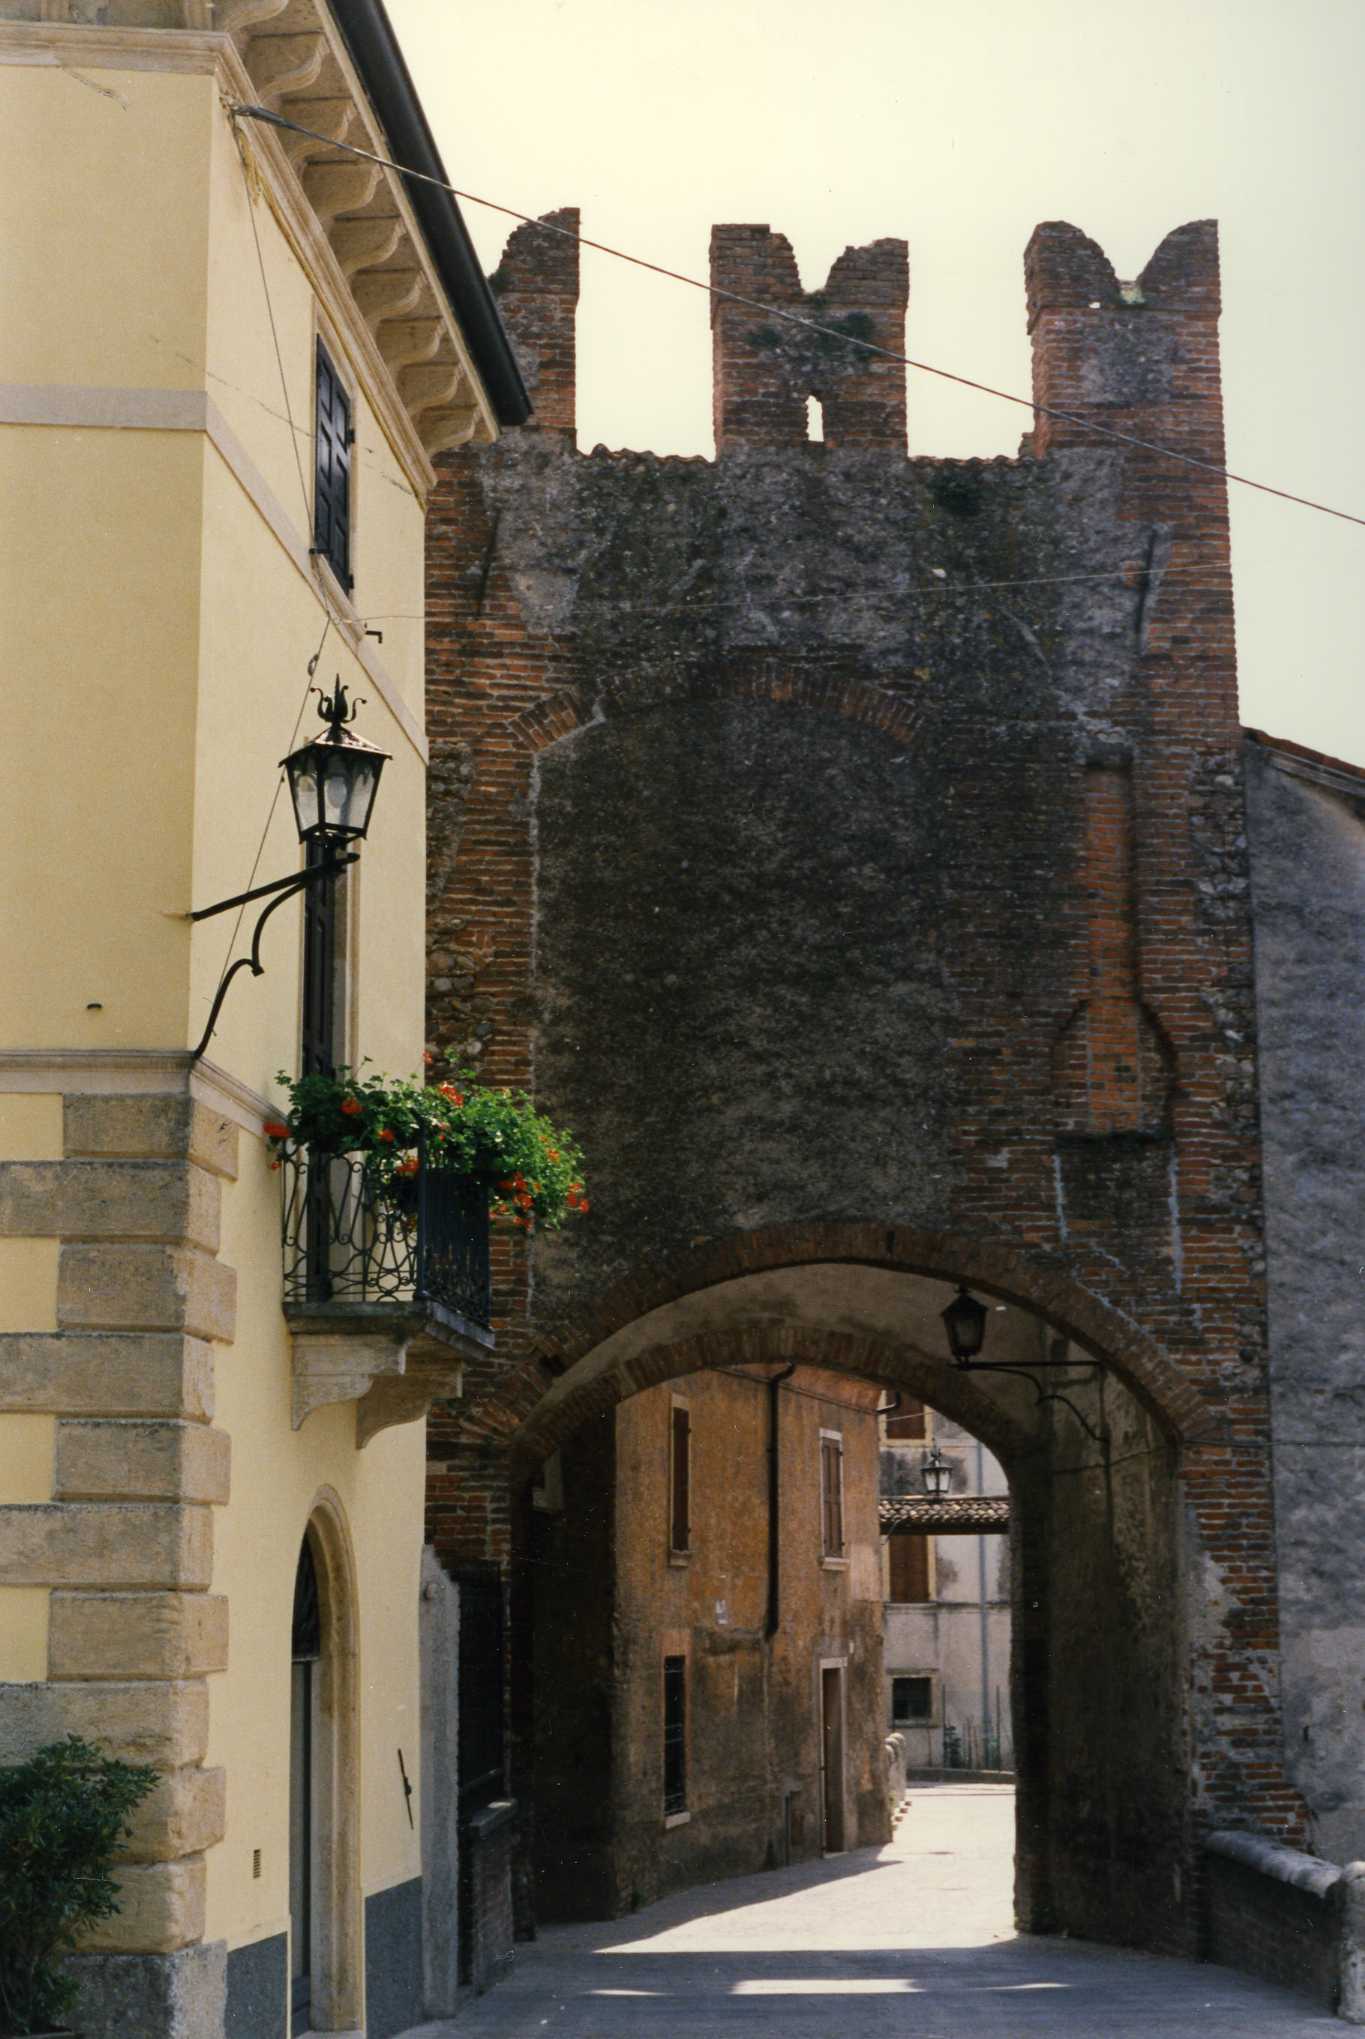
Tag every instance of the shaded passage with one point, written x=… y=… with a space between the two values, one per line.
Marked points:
x=914 y=1938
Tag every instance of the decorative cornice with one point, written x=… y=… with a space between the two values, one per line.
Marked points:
x=305 y=65
x=132 y=1072
x=192 y=410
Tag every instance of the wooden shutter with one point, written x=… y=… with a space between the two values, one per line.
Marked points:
x=321 y=907
x=908 y=1421
x=680 y=1525
x=909 y=1567
x=332 y=477
x=832 y=1495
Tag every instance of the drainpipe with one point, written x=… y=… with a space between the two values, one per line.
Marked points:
x=773 y=1621
x=985 y=1625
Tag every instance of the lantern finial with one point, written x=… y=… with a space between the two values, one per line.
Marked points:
x=337 y=711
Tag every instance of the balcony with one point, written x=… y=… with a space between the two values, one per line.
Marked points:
x=386 y=1284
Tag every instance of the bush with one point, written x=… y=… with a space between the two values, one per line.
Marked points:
x=62 y=1816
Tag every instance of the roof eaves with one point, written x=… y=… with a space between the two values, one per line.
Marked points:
x=1301 y=762
x=375 y=51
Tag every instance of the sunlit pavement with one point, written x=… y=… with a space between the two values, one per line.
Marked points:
x=915 y=1939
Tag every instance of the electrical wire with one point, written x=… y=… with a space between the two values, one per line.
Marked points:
x=274 y=330
x=238 y=110
x=945 y=585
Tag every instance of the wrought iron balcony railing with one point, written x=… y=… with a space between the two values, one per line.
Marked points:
x=352 y=1237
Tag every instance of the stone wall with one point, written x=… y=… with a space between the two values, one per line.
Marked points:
x=1306 y=818
x=1285 y=1915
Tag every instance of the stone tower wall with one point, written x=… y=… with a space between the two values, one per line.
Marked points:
x=851 y=848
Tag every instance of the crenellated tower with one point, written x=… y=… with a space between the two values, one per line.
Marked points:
x=865 y=834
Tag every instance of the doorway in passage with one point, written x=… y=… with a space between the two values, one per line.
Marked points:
x=832 y=1757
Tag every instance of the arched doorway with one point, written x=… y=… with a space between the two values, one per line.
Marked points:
x=305 y=1652
x=326 y=1982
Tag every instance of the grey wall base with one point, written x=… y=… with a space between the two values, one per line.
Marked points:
x=393 y=1960
x=440 y=1631
x=258 y=1990
x=156 y=1996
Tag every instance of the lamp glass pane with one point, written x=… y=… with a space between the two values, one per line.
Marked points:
x=303 y=789
x=336 y=791
x=363 y=777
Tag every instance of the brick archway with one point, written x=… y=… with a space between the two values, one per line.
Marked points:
x=758 y=677
x=505 y=1400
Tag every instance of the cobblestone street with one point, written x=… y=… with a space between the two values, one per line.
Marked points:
x=912 y=1939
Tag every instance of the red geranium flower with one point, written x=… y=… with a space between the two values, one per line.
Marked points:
x=385 y=1134
x=277 y=1129
x=352 y=1107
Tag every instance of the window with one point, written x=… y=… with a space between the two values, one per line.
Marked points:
x=908 y=1558
x=831 y=1493
x=675 y=1736
x=912 y=1700
x=332 y=477
x=908 y=1422
x=680 y=1479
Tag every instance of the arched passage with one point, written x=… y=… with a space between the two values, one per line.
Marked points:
x=1101 y=1562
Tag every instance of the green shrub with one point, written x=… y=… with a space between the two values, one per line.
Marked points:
x=62 y=1816
x=534 y=1170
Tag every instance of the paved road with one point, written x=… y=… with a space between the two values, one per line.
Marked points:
x=914 y=1939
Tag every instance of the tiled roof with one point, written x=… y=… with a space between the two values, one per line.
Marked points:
x=959 y=1515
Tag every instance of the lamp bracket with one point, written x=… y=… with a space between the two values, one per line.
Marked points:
x=1025 y=1366
x=282 y=888
x=295 y=883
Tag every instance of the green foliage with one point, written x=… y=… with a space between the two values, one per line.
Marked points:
x=62 y=1816
x=534 y=1169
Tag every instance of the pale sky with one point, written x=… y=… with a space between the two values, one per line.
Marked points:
x=958 y=127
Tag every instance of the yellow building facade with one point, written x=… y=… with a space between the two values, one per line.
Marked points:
x=179 y=280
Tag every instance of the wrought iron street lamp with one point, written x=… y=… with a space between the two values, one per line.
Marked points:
x=333 y=780
x=937 y=1475
x=965 y=1322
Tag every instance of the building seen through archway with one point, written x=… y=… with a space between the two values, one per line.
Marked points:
x=944 y=1517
